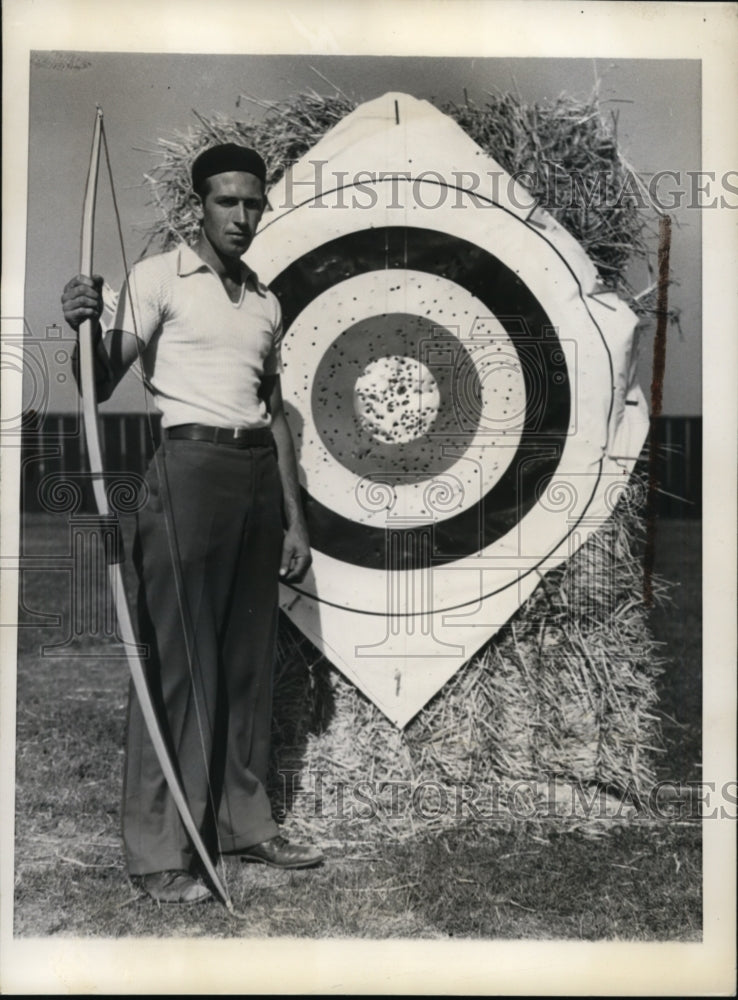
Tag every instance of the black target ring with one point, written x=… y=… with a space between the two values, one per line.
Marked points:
x=535 y=340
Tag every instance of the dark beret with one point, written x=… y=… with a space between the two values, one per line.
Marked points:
x=223 y=159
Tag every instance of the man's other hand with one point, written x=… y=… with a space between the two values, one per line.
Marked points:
x=296 y=557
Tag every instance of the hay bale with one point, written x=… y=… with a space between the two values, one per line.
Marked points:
x=565 y=153
x=565 y=693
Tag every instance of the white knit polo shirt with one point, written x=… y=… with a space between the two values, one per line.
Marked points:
x=203 y=356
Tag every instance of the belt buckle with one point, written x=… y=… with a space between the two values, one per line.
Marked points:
x=238 y=432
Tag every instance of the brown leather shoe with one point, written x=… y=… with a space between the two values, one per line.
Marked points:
x=174 y=887
x=279 y=853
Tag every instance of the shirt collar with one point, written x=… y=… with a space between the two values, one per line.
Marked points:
x=189 y=262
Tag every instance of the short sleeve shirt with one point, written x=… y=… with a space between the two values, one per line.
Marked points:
x=203 y=356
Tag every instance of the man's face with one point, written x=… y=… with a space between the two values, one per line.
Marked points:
x=231 y=209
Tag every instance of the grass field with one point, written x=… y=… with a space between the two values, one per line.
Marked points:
x=636 y=879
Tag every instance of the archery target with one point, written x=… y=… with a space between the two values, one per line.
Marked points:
x=467 y=305
x=449 y=383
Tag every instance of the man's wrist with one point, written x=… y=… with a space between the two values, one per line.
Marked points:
x=296 y=521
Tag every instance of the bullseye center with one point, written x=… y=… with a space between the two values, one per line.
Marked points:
x=396 y=399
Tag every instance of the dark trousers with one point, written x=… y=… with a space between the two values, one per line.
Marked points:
x=208 y=550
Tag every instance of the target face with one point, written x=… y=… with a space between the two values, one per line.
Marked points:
x=449 y=388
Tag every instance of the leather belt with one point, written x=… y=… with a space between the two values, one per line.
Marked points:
x=236 y=437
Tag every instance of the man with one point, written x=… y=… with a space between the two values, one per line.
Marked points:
x=222 y=522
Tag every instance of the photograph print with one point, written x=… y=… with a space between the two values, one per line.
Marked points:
x=358 y=431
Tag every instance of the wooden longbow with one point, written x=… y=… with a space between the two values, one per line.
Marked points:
x=92 y=438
